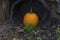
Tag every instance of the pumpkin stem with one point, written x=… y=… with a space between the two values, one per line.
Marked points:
x=31 y=9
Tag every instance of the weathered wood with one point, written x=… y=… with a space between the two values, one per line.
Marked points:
x=4 y=10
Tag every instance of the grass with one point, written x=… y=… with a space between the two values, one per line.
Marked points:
x=58 y=33
x=39 y=38
x=28 y=28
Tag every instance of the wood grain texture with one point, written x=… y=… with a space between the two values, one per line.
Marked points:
x=4 y=10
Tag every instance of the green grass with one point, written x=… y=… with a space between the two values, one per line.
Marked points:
x=39 y=38
x=58 y=30
x=58 y=33
x=28 y=28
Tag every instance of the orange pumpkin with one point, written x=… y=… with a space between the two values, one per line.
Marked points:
x=30 y=18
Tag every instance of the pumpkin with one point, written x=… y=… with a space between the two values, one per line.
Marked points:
x=30 y=18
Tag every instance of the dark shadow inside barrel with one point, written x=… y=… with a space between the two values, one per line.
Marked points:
x=19 y=9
